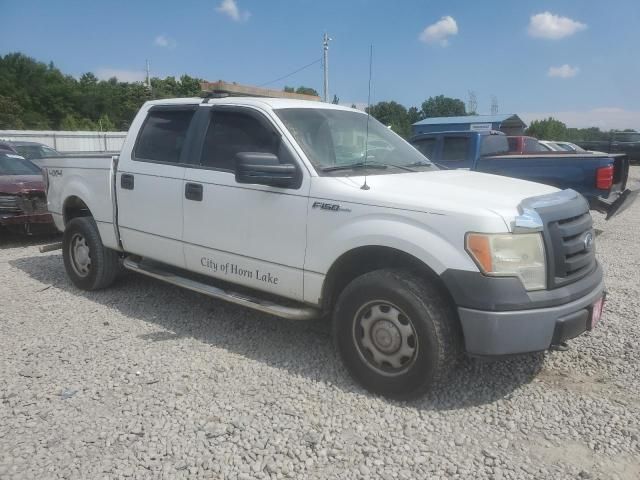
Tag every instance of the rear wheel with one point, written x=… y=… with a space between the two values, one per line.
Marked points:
x=396 y=333
x=89 y=264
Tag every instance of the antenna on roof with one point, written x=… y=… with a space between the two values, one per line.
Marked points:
x=366 y=138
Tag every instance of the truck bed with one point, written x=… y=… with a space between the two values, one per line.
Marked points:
x=569 y=170
x=90 y=178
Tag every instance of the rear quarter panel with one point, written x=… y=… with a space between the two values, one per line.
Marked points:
x=89 y=179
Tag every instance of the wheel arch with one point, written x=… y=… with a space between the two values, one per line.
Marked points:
x=74 y=207
x=364 y=259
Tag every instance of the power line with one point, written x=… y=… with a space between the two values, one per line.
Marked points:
x=292 y=73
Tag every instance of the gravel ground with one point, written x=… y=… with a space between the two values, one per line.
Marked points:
x=145 y=380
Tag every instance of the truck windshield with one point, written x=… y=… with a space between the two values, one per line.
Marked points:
x=495 y=145
x=334 y=140
x=16 y=165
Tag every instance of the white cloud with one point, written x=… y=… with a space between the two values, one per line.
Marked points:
x=606 y=118
x=231 y=9
x=553 y=27
x=121 y=75
x=164 y=41
x=563 y=71
x=440 y=31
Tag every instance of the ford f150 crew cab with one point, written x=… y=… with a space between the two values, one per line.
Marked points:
x=309 y=210
x=601 y=179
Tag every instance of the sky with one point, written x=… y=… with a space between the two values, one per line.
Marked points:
x=576 y=60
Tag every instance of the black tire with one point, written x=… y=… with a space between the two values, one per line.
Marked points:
x=414 y=301
x=81 y=238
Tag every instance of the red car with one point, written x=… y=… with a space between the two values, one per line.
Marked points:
x=23 y=201
x=522 y=145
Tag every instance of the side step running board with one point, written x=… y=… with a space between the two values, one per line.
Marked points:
x=289 y=312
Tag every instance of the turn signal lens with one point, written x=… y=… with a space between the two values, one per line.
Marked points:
x=480 y=249
x=510 y=255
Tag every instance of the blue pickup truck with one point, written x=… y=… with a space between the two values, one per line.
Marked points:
x=601 y=179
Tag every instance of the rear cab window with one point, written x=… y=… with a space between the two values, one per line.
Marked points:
x=494 y=145
x=163 y=135
x=455 y=149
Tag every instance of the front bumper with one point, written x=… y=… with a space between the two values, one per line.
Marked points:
x=491 y=333
x=25 y=219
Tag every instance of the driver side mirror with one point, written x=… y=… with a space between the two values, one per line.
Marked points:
x=265 y=169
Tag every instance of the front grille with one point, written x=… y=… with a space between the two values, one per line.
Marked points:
x=574 y=258
x=569 y=242
x=9 y=203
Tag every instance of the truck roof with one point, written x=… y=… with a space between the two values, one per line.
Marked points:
x=457 y=132
x=272 y=103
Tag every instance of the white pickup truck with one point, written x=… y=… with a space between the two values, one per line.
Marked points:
x=307 y=210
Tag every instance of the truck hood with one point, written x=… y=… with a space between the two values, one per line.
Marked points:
x=14 y=184
x=443 y=191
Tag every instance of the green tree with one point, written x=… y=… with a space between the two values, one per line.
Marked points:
x=548 y=129
x=10 y=113
x=441 y=106
x=392 y=114
x=414 y=115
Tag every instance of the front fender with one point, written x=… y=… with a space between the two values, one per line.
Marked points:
x=436 y=240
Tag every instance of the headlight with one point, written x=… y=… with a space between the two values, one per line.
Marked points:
x=510 y=255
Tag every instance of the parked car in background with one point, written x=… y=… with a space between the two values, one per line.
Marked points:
x=30 y=150
x=7 y=147
x=618 y=142
x=524 y=144
x=601 y=179
x=561 y=146
x=551 y=146
x=23 y=201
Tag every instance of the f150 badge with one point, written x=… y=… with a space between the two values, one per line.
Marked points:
x=333 y=207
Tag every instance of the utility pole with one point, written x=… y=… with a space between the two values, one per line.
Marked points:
x=472 y=104
x=325 y=64
x=148 y=77
x=494 y=105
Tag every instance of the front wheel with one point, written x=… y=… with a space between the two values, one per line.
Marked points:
x=396 y=333
x=89 y=264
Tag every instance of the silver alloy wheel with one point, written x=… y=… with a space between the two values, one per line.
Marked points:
x=385 y=337
x=80 y=255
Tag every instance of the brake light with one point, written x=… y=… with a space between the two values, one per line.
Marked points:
x=604 y=177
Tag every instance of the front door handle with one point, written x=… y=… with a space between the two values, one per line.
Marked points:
x=127 y=181
x=193 y=191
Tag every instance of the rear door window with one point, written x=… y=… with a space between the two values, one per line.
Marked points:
x=163 y=135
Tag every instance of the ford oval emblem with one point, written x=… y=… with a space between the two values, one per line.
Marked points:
x=588 y=241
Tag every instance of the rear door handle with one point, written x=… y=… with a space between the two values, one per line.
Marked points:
x=193 y=191
x=127 y=181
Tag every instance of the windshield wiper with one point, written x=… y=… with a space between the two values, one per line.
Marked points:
x=354 y=166
x=422 y=163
